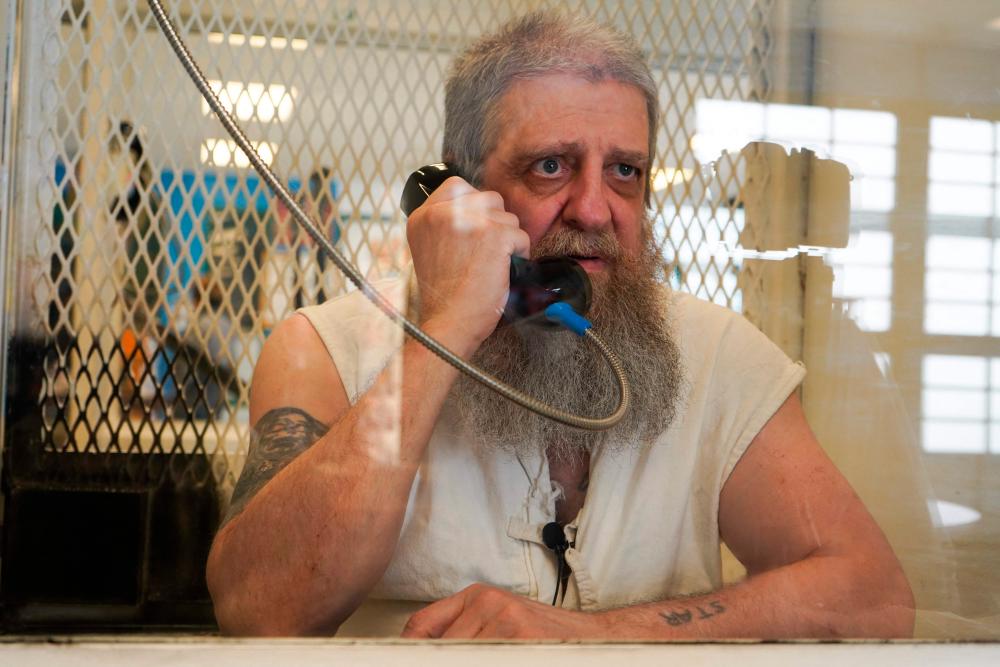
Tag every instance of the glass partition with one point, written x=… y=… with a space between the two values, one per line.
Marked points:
x=827 y=170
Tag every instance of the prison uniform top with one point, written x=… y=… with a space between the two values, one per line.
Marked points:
x=648 y=529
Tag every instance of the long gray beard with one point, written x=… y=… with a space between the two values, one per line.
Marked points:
x=630 y=314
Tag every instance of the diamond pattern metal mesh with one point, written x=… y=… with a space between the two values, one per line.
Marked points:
x=152 y=264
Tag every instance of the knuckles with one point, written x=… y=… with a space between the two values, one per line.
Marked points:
x=460 y=219
x=457 y=204
x=510 y=615
x=495 y=603
x=491 y=200
x=479 y=593
x=453 y=186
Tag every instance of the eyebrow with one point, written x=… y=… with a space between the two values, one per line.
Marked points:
x=528 y=157
x=637 y=158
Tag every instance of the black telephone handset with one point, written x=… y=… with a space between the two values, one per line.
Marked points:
x=534 y=284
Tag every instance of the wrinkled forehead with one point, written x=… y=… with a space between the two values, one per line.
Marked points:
x=531 y=101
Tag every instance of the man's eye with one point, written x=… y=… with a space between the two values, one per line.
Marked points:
x=626 y=170
x=549 y=166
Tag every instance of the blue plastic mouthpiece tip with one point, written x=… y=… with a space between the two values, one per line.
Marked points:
x=562 y=313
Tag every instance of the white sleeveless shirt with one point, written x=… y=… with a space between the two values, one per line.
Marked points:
x=648 y=529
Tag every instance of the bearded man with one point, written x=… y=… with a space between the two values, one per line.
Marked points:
x=375 y=472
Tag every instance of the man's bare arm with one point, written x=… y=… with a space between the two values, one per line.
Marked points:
x=315 y=525
x=317 y=512
x=279 y=436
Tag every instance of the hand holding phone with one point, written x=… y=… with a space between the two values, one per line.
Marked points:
x=533 y=285
x=461 y=240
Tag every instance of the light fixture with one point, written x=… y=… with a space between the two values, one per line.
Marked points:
x=258 y=41
x=225 y=152
x=253 y=100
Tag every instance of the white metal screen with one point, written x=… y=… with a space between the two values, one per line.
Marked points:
x=149 y=262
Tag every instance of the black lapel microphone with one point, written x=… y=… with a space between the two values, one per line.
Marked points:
x=554 y=538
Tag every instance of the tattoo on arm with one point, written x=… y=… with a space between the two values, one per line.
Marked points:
x=279 y=436
x=685 y=616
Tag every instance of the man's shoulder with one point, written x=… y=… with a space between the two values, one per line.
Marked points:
x=355 y=308
x=358 y=336
x=708 y=333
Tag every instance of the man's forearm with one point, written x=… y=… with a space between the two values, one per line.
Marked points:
x=818 y=597
x=305 y=551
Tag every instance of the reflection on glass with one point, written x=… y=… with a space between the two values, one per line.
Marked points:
x=949 y=515
x=962 y=167
x=960 y=272
x=863 y=278
x=907 y=99
x=961 y=404
x=863 y=140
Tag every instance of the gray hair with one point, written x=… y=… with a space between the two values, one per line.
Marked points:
x=532 y=46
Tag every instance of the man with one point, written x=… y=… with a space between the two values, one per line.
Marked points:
x=376 y=471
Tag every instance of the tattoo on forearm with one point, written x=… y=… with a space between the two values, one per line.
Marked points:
x=686 y=615
x=279 y=436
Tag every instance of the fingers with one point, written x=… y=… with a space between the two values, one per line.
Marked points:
x=464 y=207
x=468 y=624
x=457 y=194
x=476 y=611
x=458 y=188
x=433 y=621
x=521 y=243
x=485 y=612
x=452 y=188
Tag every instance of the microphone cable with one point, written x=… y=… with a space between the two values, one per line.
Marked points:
x=554 y=538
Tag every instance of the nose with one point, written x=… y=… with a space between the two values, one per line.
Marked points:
x=588 y=208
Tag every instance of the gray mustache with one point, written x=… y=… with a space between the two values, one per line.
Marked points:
x=567 y=242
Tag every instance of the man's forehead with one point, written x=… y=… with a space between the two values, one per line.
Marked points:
x=560 y=113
